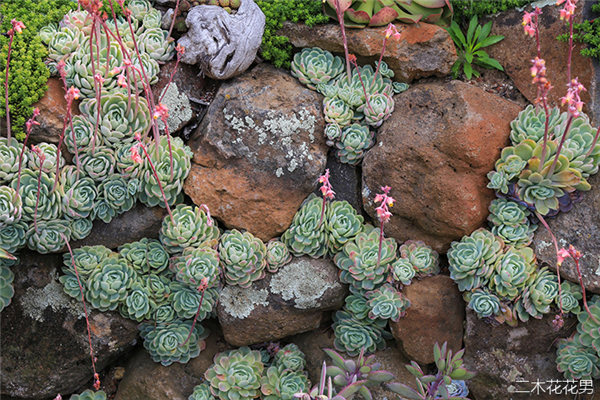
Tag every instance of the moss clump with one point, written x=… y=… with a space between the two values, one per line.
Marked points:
x=464 y=10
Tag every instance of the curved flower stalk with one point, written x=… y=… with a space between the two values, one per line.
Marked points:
x=306 y=235
x=118 y=193
x=192 y=227
x=47 y=237
x=236 y=374
x=138 y=305
x=337 y=111
x=513 y=271
x=576 y=361
x=403 y=271
x=354 y=140
x=243 y=258
x=99 y=164
x=146 y=256
x=13 y=237
x=202 y=392
x=48 y=201
x=80 y=228
x=537 y=296
x=10 y=206
x=197 y=265
x=89 y=395
x=314 y=66
x=381 y=107
x=63 y=42
x=290 y=357
x=6 y=286
x=386 y=303
x=531 y=122
x=126 y=166
x=87 y=259
x=156 y=43
x=50 y=152
x=569 y=298
x=354 y=336
x=483 y=302
x=9 y=159
x=187 y=301
x=423 y=258
x=83 y=132
x=283 y=384
x=342 y=224
x=167 y=343
x=278 y=255
x=109 y=284
x=80 y=72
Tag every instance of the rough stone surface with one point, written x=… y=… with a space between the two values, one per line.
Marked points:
x=501 y=355
x=258 y=152
x=345 y=180
x=422 y=50
x=288 y=302
x=435 y=152
x=137 y=223
x=578 y=227
x=436 y=314
x=516 y=51
x=44 y=340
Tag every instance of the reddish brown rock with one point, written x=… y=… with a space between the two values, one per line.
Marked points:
x=422 y=49
x=435 y=315
x=258 y=152
x=435 y=152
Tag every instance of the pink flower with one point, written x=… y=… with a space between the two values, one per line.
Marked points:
x=135 y=154
x=72 y=94
x=573 y=99
x=561 y=255
x=325 y=188
x=392 y=31
x=122 y=81
x=161 y=111
x=383 y=212
x=31 y=121
x=569 y=9
x=58 y=397
x=352 y=58
x=530 y=21
x=180 y=50
x=99 y=78
x=203 y=284
x=17 y=26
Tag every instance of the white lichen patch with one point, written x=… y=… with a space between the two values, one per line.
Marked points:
x=36 y=300
x=239 y=302
x=178 y=104
x=302 y=282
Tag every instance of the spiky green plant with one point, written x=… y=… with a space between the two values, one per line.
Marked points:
x=353 y=336
x=342 y=224
x=185 y=301
x=49 y=202
x=109 y=284
x=156 y=43
x=87 y=259
x=537 y=296
x=9 y=159
x=513 y=270
x=283 y=384
x=379 y=108
x=11 y=207
x=277 y=255
x=483 y=302
x=236 y=374
x=569 y=298
x=145 y=255
x=196 y=265
x=170 y=342
x=51 y=156
x=290 y=357
x=386 y=302
x=192 y=228
x=403 y=271
x=314 y=66
x=13 y=236
x=47 y=236
x=99 y=164
x=138 y=305
x=243 y=258
x=202 y=392
x=306 y=235
x=576 y=361
x=337 y=111
x=6 y=286
x=531 y=122
x=423 y=258
x=89 y=395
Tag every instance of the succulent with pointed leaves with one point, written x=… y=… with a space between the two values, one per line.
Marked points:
x=47 y=32
x=423 y=258
x=6 y=286
x=145 y=256
x=537 y=296
x=202 y=392
x=282 y=384
x=576 y=361
x=243 y=258
x=169 y=342
x=100 y=164
x=379 y=108
x=314 y=66
x=47 y=236
x=290 y=357
x=9 y=159
x=306 y=235
x=569 y=297
x=354 y=336
x=531 y=122
x=157 y=44
x=11 y=207
x=337 y=111
x=192 y=228
x=277 y=255
x=152 y=19
x=403 y=271
x=483 y=302
x=89 y=395
x=49 y=202
x=109 y=284
x=342 y=224
x=13 y=237
x=185 y=301
x=236 y=374
x=386 y=302
x=87 y=259
x=513 y=270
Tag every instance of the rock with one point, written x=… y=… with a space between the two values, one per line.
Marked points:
x=517 y=50
x=44 y=338
x=345 y=180
x=288 y=302
x=222 y=44
x=436 y=314
x=579 y=227
x=501 y=355
x=131 y=226
x=435 y=152
x=422 y=50
x=144 y=379
x=259 y=151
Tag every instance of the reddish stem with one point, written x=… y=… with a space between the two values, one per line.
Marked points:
x=174 y=17
x=157 y=180
x=380 y=243
x=195 y=319
x=555 y=242
x=380 y=58
x=340 y=16
x=562 y=141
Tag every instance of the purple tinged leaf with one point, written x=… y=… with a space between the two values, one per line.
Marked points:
x=336 y=358
x=404 y=391
x=380 y=376
x=350 y=390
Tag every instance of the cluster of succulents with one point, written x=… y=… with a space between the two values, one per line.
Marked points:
x=353 y=105
x=509 y=220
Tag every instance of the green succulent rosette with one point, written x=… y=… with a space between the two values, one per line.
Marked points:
x=588 y=328
x=356 y=305
x=236 y=374
x=157 y=44
x=290 y=357
x=126 y=166
x=517 y=236
x=581 y=146
x=11 y=206
x=89 y=395
x=283 y=384
x=399 y=87
x=483 y=302
x=6 y=286
x=48 y=201
x=158 y=286
x=332 y=133
x=9 y=159
x=337 y=111
x=537 y=297
x=358 y=260
x=48 y=236
x=87 y=259
x=13 y=237
x=109 y=284
x=84 y=133
x=139 y=8
x=50 y=152
x=531 y=123
x=99 y=164
x=103 y=211
x=386 y=302
x=202 y=392
x=47 y=32
x=277 y=255
x=507 y=212
x=403 y=271
x=185 y=301
x=314 y=66
x=145 y=256
x=71 y=285
x=306 y=235
x=164 y=313
x=513 y=270
x=118 y=193
x=79 y=194
x=378 y=109
x=569 y=298
x=353 y=336
x=342 y=224
x=138 y=304
x=173 y=341
x=423 y=258
x=196 y=265
x=472 y=259
x=576 y=361
x=384 y=69
x=499 y=181
x=63 y=42
x=191 y=228
x=354 y=141
x=243 y=258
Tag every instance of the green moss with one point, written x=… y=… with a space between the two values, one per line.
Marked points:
x=588 y=32
x=464 y=10
x=27 y=72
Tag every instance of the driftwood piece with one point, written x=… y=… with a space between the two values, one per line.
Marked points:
x=222 y=44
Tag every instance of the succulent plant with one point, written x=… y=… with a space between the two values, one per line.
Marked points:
x=164 y=313
x=63 y=42
x=13 y=236
x=483 y=302
x=290 y=357
x=472 y=259
x=513 y=159
x=569 y=298
x=277 y=255
x=403 y=271
x=71 y=285
x=158 y=286
x=103 y=211
x=46 y=236
x=423 y=258
x=172 y=184
x=342 y=224
x=332 y=133
x=138 y=305
x=576 y=361
x=236 y=374
x=283 y=384
x=386 y=302
x=537 y=296
x=517 y=236
x=507 y=212
x=145 y=256
x=139 y=8
x=306 y=235
x=327 y=89
x=588 y=329
x=89 y=395
x=107 y=61
x=151 y=68
x=399 y=87
x=197 y=264
x=192 y=228
x=10 y=206
x=100 y=164
x=109 y=284
x=9 y=159
x=243 y=258
x=499 y=181
x=126 y=166
x=47 y=32
x=578 y=145
x=512 y=271
x=168 y=342
x=384 y=69
x=87 y=259
x=49 y=202
x=50 y=152
x=202 y=392
x=337 y=111
x=78 y=19
x=314 y=66
x=531 y=122
x=78 y=194
x=152 y=19
x=354 y=141
x=6 y=286
x=118 y=193
x=379 y=108
x=358 y=260
x=356 y=305
x=185 y=301
x=353 y=336
x=157 y=44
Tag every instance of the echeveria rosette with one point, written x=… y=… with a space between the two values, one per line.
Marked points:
x=517 y=236
x=499 y=181
x=327 y=89
x=126 y=166
x=87 y=259
x=172 y=185
x=531 y=122
x=11 y=206
x=386 y=302
x=79 y=66
x=150 y=66
x=283 y=384
x=64 y=42
x=332 y=133
x=46 y=32
x=403 y=271
x=353 y=142
x=50 y=152
x=384 y=69
x=337 y=111
x=152 y=19
x=9 y=159
x=379 y=108
x=483 y=302
x=103 y=211
x=71 y=285
x=588 y=329
x=138 y=304
x=580 y=147
x=290 y=357
x=164 y=313
x=158 y=286
x=98 y=165
x=78 y=19
x=185 y=301
x=576 y=361
x=399 y=87
x=236 y=374
x=145 y=255
x=202 y=392
x=353 y=336
x=423 y=258
x=157 y=44
x=513 y=159
x=196 y=265
x=358 y=260
x=47 y=236
x=14 y=236
x=513 y=270
x=85 y=135
x=342 y=224
x=118 y=193
x=243 y=258
x=306 y=235
x=109 y=284
x=537 y=297
x=78 y=194
x=356 y=305
x=6 y=286
x=192 y=228
x=277 y=255
x=569 y=298
x=89 y=395
x=472 y=259
x=166 y=342
x=314 y=66
x=139 y=8
x=507 y=212
x=49 y=204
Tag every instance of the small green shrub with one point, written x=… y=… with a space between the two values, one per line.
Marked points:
x=464 y=10
x=588 y=32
